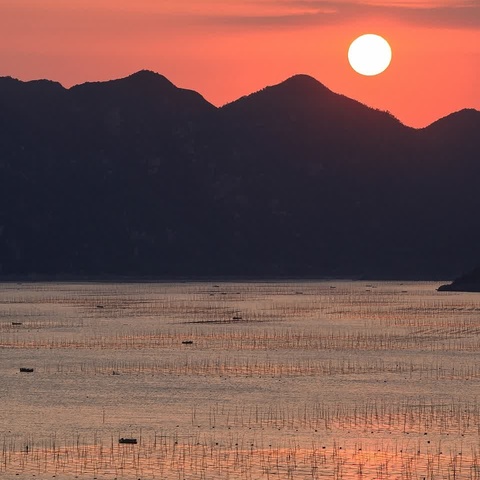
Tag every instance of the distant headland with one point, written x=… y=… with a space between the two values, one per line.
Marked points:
x=470 y=282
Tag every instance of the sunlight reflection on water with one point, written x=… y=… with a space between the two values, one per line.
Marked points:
x=239 y=380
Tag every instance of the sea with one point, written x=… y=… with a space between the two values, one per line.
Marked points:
x=239 y=380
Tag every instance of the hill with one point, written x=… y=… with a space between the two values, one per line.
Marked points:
x=137 y=176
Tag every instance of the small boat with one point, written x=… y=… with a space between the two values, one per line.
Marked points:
x=25 y=369
x=127 y=440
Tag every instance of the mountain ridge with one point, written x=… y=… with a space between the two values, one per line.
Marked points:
x=137 y=176
x=300 y=79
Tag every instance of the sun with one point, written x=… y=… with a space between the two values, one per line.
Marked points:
x=369 y=54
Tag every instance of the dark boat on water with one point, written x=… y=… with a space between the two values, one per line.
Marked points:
x=127 y=440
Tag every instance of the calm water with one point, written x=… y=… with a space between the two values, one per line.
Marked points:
x=274 y=380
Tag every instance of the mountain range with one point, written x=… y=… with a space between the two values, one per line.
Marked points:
x=136 y=176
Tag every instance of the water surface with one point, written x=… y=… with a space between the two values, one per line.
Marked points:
x=239 y=380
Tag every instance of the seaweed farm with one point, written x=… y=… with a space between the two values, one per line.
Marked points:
x=239 y=380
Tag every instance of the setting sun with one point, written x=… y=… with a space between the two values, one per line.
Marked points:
x=369 y=54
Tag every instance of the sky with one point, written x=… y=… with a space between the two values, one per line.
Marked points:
x=225 y=49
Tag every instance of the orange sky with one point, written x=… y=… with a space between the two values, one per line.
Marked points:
x=228 y=48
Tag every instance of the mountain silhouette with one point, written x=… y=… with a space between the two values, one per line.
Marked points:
x=136 y=176
x=144 y=91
